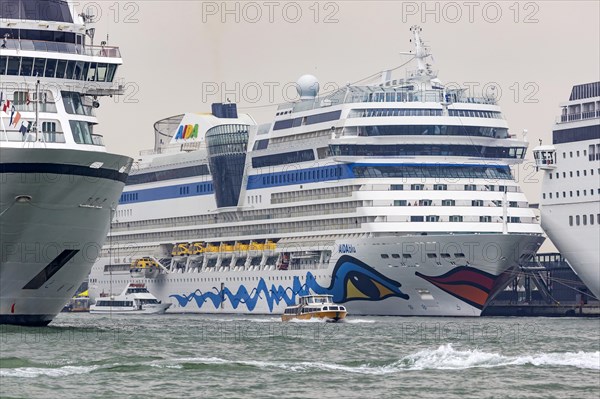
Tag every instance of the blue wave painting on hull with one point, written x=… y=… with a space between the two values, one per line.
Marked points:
x=351 y=280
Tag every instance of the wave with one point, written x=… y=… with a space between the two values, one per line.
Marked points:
x=444 y=357
x=357 y=321
x=447 y=358
x=33 y=372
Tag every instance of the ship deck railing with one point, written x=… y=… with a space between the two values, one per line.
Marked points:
x=64 y=48
x=371 y=94
x=48 y=107
x=46 y=137
x=578 y=116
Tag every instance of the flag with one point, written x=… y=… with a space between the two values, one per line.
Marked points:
x=17 y=118
x=28 y=100
x=23 y=129
x=6 y=105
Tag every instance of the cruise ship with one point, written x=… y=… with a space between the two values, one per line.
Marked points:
x=59 y=185
x=396 y=197
x=570 y=203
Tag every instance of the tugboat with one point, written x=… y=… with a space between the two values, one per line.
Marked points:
x=134 y=299
x=315 y=307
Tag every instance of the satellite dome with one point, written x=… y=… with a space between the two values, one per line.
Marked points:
x=307 y=86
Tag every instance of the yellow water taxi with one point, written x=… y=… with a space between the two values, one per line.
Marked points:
x=315 y=307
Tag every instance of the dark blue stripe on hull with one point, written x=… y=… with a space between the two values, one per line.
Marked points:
x=30 y=320
x=63 y=169
x=51 y=269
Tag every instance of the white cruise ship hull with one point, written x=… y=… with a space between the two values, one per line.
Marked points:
x=570 y=203
x=55 y=214
x=477 y=268
x=578 y=244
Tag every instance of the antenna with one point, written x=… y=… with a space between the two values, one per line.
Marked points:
x=91 y=32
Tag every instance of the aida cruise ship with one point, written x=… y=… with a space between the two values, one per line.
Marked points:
x=395 y=197
x=58 y=183
x=570 y=204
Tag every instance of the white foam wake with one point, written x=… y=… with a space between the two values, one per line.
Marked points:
x=357 y=321
x=444 y=357
x=447 y=358
x=32 y=372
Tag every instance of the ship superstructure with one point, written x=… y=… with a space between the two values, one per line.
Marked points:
x=59 y=185
x=395 y=197
x=570 y=203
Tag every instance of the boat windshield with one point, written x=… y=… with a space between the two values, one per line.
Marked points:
x=137 y=290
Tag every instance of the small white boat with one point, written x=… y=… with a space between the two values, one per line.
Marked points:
x=134 y=299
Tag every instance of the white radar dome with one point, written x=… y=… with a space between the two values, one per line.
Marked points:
x=307 y=86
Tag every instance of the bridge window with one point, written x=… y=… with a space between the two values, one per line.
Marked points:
x=26 y=66
x=61 y=67
x=50 y=68
x=101 y=73
x=39 y=66
x=13 y=65
x=82 y=132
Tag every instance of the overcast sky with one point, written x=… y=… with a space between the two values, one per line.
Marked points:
x=179 y=56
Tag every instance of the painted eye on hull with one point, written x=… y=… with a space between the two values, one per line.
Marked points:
x=359 y=286
x=354 y=280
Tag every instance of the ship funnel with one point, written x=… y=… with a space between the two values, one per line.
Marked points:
x=226 y=146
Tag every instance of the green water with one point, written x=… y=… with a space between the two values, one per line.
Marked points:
x=181 y=356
